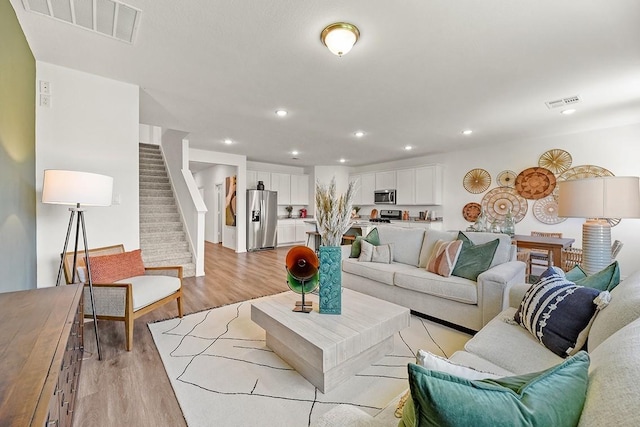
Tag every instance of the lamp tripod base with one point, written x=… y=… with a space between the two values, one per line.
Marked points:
x=303 y=306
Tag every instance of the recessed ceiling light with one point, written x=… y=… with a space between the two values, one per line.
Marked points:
x=228 y=141
x=281 y=113
x=359 y=134
x=467 y=132
x=294 y=152
x=408 y=147
x=343 y=160
x=569 y=111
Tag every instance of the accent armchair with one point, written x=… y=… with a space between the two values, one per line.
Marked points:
x=135 y=291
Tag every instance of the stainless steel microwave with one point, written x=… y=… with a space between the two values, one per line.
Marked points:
x=384 y=197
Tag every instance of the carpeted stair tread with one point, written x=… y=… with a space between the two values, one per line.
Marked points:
x=162 y=237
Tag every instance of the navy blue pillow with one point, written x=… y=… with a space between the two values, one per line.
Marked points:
x=558 y=312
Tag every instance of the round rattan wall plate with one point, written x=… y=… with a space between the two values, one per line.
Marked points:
x=497 y=202
x=476 y=181
x=556 y=160
x=546 y=211
x=535 y=183
x=506 y=178
x=471 y=211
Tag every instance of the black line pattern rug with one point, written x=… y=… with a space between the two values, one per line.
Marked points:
x=224 y=375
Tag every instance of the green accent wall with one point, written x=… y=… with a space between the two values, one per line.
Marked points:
x=17 y=155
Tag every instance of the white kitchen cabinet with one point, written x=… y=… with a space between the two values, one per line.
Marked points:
x=281 y=182
x=300 y=190
x=406 y=187
x=253 y=177
x=385 y=180
x=301 y=231
x=357 y=195
x=368 y=186
x=428 y=190
x=286 y=232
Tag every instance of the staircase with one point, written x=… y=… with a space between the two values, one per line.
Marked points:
x=162 y=237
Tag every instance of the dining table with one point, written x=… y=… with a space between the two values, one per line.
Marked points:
x=553 y=245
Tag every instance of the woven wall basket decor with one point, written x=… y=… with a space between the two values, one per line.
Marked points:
x=556 y=160
x=497 y=202
x=506 y=178
x=535 y=183
x=476 y=181
x=471 y=211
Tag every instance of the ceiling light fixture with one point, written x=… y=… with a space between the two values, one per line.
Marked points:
x=408 y=147
x=568 y=112
x=467 y=132
x=294 y=153
x=281 y=113
x=228 y=141
x=359 y=134
x=340 y=37
x=342 y=160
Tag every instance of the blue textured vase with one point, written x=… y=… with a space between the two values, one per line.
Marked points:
x=330 y=280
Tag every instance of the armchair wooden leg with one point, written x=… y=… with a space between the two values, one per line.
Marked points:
x=179 y=300
x=128 y=329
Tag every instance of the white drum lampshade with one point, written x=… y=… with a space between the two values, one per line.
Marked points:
x=64 y=187
x=598 y=199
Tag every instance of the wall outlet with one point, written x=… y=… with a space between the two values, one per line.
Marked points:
x=45 y=87
x=45 y=100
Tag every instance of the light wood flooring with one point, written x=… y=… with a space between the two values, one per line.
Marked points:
x=131 y=388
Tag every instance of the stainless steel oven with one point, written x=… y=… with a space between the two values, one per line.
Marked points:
x=384 y=197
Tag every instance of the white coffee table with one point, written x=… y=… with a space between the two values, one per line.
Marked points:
x=328 y=349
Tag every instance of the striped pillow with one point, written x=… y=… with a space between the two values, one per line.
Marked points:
x=559 y=313
x=443 y=257
x=111 y=268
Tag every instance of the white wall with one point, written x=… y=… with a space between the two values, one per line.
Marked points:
x=91 y=126
x=149 y=134
x=234 y=238
x=207 y=180
x=324 y=174
x=616 y=149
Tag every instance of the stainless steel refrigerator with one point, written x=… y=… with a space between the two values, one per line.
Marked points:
x=262 y=219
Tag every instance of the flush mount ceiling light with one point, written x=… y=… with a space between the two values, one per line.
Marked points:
x=340 y=37
x=281 y=113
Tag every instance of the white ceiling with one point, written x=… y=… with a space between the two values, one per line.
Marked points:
x=423 y=71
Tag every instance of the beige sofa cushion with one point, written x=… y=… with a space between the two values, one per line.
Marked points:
x=149 y=289
x=622 y=310
x=614 y=375
x=453 y=287
x=382 y=273
x=465 y=358
x=510 y=346
x=431 y=237
x=406 y=243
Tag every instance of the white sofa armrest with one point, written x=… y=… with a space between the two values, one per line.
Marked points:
x=493 y=287
x=516 y=293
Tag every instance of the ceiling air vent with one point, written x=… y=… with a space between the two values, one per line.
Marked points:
x=563 y=102
x=108 y=17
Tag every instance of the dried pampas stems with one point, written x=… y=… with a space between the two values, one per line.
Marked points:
x=333 y=213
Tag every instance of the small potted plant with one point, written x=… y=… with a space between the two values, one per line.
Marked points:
x=289 y=209
x=356 y=210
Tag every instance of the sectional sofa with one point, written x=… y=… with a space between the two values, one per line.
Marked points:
x=505 y=348
x=405 y=281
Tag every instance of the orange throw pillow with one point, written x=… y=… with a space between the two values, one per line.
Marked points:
x=111 y=268
x=444 y=256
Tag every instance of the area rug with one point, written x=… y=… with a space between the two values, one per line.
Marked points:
x=224 y=375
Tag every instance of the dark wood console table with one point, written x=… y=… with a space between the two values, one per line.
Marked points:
x=40 y=355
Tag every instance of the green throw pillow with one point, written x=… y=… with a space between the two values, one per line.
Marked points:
x=554 y=397
x=603 y=280
x=576 y=273
x=474 y=259
x=372 y=238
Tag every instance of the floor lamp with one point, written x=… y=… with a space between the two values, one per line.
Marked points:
x=599 y=199
x=79 y=189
